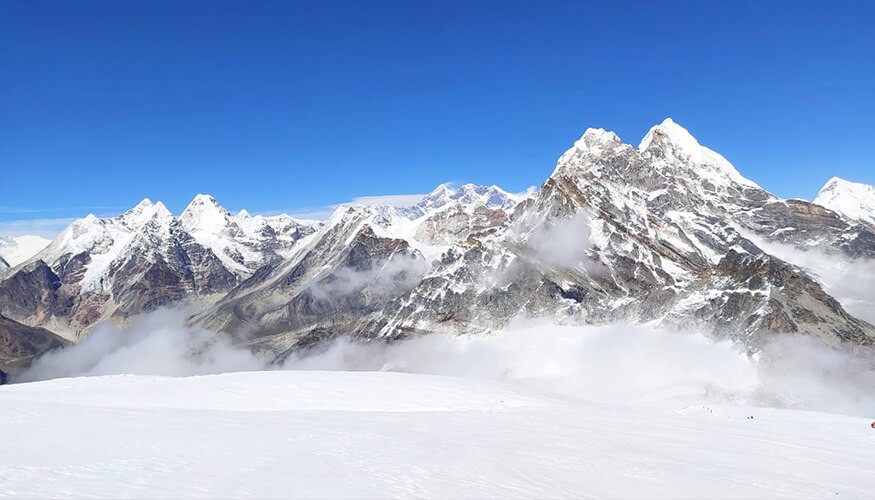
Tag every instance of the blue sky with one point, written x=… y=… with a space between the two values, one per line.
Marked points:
x=287 y=106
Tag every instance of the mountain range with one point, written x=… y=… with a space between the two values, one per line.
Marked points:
x=667 y=233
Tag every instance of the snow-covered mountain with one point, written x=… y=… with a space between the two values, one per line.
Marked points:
x=853 y=200
x=16 y=249
x=468 y=196
x=146 y=258
x=666 y=233
x=242 y=242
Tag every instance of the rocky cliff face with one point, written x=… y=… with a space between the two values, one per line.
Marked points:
x=667 y=233
x=20 y=344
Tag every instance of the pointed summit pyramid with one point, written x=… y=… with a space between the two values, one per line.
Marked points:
x=204 y=214
x=854 y=200
x=676 y=144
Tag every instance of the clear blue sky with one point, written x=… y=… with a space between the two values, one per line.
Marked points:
x=287 y=105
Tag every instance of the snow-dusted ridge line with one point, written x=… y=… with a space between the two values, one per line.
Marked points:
x=657 y=243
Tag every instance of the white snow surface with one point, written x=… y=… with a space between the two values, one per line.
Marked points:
x=316 y=434
x=854 y=200
x=17 y=249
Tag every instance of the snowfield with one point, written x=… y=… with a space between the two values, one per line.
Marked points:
x=338 y=434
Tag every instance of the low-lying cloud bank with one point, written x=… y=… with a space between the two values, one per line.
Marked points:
x=617 y=364
x=154 y=344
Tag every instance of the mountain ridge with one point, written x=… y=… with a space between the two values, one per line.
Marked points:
x=666 y=233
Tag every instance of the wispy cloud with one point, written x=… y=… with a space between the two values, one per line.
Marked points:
x=28 y=210
x=47 y=228
x=395 y=200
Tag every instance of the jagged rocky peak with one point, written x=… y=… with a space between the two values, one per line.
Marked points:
x=854 y=200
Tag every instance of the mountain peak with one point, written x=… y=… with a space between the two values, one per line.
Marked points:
x=143 y=213
x=161 y=209
x=594 y=140
x=204 y=199
x=670 y=132
x=854 y=200
x=670 y=140
x=839 y=183
x=442 y=190
x=204 y=213
x=202 y=202
x=468 y=194
x=143 y=205
x=438 y=197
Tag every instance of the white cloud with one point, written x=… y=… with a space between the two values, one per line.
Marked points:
x=157 y=343
x=17 y=249
x=620 y=363
x=394 y=276
x=91 y=208
x=848 y=280
x=395 y=200
x=46 y=228
x=306 y=213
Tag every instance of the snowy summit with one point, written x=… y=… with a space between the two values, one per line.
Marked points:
x=850 y=199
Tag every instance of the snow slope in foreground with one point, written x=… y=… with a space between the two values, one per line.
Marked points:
x=311 y=434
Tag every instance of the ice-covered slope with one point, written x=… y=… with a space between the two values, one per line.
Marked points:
x=385 y=435
x=853 y=200
x=17 y=249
